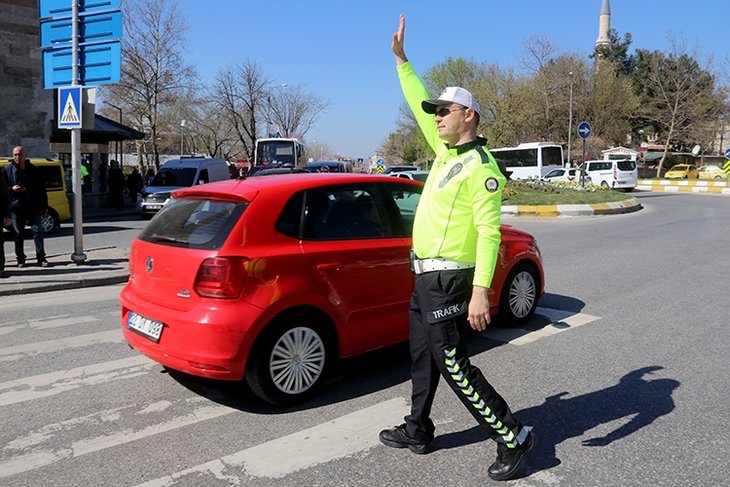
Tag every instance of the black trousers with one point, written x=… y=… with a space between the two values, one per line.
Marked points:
x=438 y=328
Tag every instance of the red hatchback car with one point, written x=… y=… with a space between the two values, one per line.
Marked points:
x=274 y=278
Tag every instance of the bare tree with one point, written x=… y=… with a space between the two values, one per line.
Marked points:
x=292 y=111
x=241 y=94
x=153 y=67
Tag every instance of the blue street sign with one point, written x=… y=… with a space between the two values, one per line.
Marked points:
x=69 y=107
x=727 y=153
x=98 y=64
x=380 y=162
x=584 y=130
x=92 y=28
x=62 y=8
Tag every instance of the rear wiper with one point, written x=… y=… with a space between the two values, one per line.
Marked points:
x=164 y=238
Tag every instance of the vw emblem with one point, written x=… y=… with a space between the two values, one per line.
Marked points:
x=149 y=264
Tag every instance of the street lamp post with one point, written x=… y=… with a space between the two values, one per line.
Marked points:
x=570 y=119
x=182 y=136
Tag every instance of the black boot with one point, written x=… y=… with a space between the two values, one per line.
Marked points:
x=509 y=460
x=398 y=438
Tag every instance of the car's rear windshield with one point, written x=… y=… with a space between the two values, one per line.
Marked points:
x=175 y=177
x=194 y=223
x=626 y=165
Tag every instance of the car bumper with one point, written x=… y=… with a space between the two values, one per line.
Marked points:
x=211 y=340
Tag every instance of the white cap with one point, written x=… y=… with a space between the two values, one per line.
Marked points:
x=452 y=94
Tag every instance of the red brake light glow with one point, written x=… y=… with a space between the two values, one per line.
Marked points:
x=221 y=277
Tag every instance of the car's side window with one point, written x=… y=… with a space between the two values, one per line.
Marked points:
x=404 y=200
x=344 y=212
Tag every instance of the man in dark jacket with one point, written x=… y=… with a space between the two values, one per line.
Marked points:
x=28 y=203
x=5 y=215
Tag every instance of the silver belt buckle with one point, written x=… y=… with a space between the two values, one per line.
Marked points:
x=418 y=266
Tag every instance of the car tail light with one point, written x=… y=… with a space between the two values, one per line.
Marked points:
x=615 y=173
x=221 y=277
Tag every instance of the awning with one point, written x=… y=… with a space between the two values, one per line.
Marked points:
x=105 y=131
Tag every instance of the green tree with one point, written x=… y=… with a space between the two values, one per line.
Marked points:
x=678 y=96
x=617 y=51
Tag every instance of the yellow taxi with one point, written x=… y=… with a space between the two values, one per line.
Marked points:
x=58 y=207
x=711 y=171
x=682 y=171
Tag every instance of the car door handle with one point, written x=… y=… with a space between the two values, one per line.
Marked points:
x=330 y=266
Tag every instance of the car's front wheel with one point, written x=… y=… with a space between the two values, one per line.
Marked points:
x=519 y=296
x=289 y=362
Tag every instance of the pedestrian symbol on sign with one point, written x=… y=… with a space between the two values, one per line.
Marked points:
x=69 y=105
x=70 y=114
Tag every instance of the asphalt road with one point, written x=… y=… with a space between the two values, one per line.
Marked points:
x=623 y=374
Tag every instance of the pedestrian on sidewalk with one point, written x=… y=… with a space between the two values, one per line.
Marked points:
x=456 y=238
x=28 y=203
x=116 y=185
x=135 y=183
x=5 y=215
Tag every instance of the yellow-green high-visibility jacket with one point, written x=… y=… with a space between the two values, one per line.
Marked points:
x=458 y=215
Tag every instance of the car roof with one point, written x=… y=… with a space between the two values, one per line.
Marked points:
x=287 y=183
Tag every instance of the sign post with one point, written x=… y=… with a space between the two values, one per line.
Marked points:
x=584 y=131
x=81 y=47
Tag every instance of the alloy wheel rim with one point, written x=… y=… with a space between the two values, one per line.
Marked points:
x=297 y=360
x=522 y=294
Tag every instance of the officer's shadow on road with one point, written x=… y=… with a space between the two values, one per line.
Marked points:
x=636 y=399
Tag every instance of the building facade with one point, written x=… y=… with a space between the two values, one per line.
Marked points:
x=26 y=109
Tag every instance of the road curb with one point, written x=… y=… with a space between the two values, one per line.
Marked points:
x=60 y=286
x=557 y=211
x=684 y=186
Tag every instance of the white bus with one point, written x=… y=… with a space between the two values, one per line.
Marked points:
x=280 y=152
x=531 y=160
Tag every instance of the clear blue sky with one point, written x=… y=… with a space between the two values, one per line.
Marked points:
x=340 y=50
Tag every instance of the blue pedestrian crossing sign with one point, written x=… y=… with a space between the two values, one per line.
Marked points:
x=69 y=107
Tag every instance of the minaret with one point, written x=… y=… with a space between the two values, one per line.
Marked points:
x=604 y=24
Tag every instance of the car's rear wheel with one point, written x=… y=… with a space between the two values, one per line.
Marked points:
x=289 y=362
x=519 y=296
x=49 y=221
x=604 y=184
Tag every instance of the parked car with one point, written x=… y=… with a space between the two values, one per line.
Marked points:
x=269 y=170
x=711 y=171
x=179 y=173
x=415 y=175
x=328 y=166
x=55 y=179
x=274 y=279
x=569 y=174
x=614 y=174
x=682 y=171
x=393 y=169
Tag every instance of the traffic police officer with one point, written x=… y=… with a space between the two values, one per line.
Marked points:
x=456 y=239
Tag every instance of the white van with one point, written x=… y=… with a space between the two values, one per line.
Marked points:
x=179 y=173
x=618 y=174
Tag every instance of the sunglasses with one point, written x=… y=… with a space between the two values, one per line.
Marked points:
x=444 y=111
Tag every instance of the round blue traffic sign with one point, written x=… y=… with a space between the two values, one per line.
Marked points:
x=584 y=130
x=727 y=153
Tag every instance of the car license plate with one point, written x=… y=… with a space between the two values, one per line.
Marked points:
x=154 y=207
x=150 y=328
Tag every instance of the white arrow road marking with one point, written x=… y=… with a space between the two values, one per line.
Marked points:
x=339 y=438
x=559 y=321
